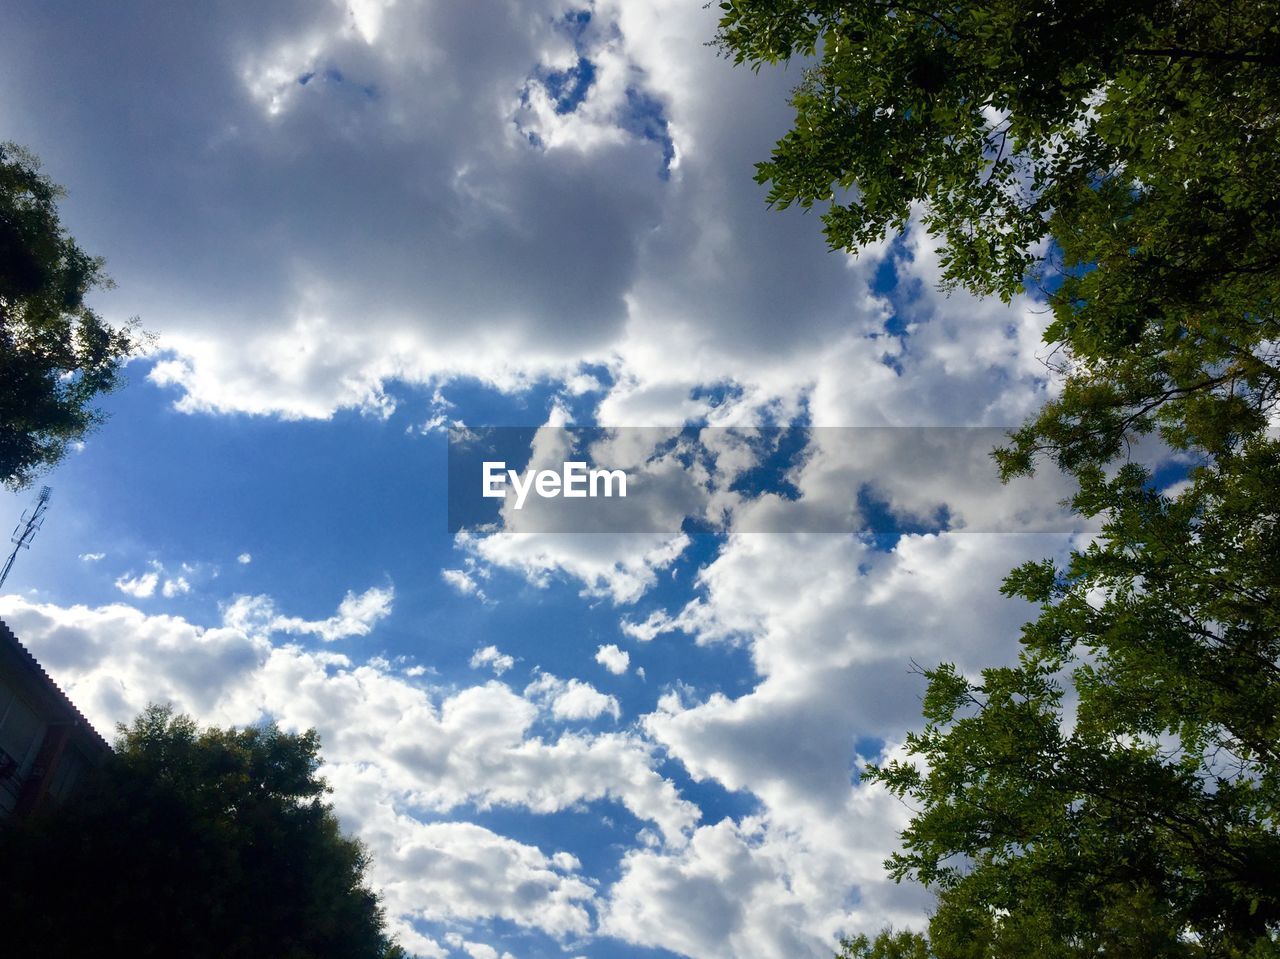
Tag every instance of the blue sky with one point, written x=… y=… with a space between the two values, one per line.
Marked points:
x=353 y=225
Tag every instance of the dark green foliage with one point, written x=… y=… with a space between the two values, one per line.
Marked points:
x=56 y=354
x=1001 y=114
x=1139 y=137
x=1117 y=792
x=887 y=945
x=197 y=843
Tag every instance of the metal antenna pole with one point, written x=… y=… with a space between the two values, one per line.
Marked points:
x=26 y=529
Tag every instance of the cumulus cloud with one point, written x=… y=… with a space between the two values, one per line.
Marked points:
x=830 y=623
x=462 y=581
x=244 y=559
x=491 y=657
x=466 y=580
x=459 y=871
x=155 y=579
x=572 y=699
x=141 y=586
x=399 y=196
x=356 y=616
x=621 y=567
x=392 y=748
x=375 y=166
x=476 y=950
x=763 y=887
x=613 y=659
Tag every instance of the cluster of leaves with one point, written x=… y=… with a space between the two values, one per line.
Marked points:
x=1121 y=153
x=1116 y=791
x=193 y=842
x=887 y=945
x=1141 y=819
x=56 y=353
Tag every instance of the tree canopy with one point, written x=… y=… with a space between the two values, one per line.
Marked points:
x=193 y=842
x=56 y=354
x=1122 y=155
x=1115 y=792
x=887 y=945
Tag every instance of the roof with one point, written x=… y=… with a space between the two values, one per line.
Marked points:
x=16 y=661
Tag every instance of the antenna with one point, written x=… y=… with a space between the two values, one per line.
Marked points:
x=25 y=531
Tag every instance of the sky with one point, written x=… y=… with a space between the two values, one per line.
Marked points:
x=354 y=228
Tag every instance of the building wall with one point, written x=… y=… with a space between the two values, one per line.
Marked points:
x=21 y=733
x=46 y=745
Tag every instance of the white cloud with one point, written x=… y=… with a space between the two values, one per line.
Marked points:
x=371 y=205
x=244 y=559
x=572 y=699
x=609 y=252
x=356 y=616
x=764 y=888
x=156 y=578
x=390 y=746
x=462 y=581
x=491 y=657
x=93 y=557
x=613 y=659
x=618 y=566
x=459 y=871
x=476 y=950
x=113 y=660
x=177 y=586
x=141 y=586
x=466 y=581
x=830 y=624
x=581 y=700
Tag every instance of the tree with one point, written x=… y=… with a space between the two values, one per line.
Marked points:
x=56 y=354
x=1116 y=791
x=1122 y=154
x=197 y=843
x=887 y=945
x=1150 y=814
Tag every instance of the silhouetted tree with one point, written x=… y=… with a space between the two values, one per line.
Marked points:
x=201 y=843
x=56 y=353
